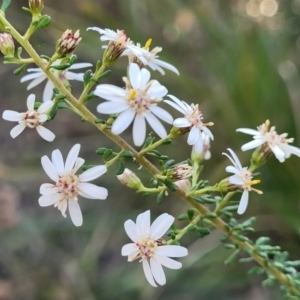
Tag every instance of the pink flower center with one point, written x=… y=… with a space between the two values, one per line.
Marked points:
x=139 y=101
x=68 y=185
x=148 y=247
x=195 y=117
x=31 y=118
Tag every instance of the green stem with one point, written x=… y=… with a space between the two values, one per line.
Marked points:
x=184 y=230
x=205 y=190
x=91 y=83
x=223 y=202
x=88 y=116
x=153 y=146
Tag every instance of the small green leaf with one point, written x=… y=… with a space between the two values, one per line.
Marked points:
x=61 y=67
x=210 y=215
x=170 y=185
x=86 y=167
x=169 y=163
x=203 y=231
x=262 y=240
x=107 y=153
x=149 y=140
x=192 y=228
x=104 y=74
x=126 y=154
x=160 y=197
x=191 y=213
x=73 y=59
x=101 y=151
x=256 y=271
x=19 y=51
x=20 y=69
x=182 y=217
x=121 y=167
x=86 y=77
x=100 y=121
x=44 y=21
x=60 y=97
x=45 y=57
x=62 y=105
x=167 y=142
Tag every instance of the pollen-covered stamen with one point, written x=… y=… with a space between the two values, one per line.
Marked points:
x=195 y=117
x=139 y=101
x=68 y=185
x=31 y=118
x=147 y=248
x=248 y=182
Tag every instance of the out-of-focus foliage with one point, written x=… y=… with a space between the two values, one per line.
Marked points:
x=239 y=60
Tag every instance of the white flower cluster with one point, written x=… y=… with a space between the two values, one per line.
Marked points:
x=137 y=103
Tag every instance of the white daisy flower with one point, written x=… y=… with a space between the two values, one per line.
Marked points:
x=37 y=76
x=242 y=178
x=118 y=42
x=148 y=246
x=277 y=143
x=64 y=193
x=137 y=103
x=149 y=58
x=193 y=119
x=31 y=118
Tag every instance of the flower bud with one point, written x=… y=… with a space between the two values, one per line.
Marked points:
x=68 y=42
x=183 y=185
x=7 y=46
x=130 y=179
x=115 y=48
x=205 y=153
x=36 y=6
x=180 y=172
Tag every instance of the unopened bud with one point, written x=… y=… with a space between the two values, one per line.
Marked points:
x=180 y=172
x=205 y=153
x=36 y=6
x=115 y=48
x=183 y=185
x=68 y=42
x=130 y=179
x=7 y=46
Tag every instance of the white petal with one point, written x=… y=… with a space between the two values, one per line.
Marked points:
x=36 y=81
x=291 y=149
x=57 y=161
x=134 y=73
x=111 y=92
x=47 y=200
x=75 y=213
x=174 y=105
x=48 y=91
x=30 y=102
x=145 y=77
x=92 y=173
x=130 y=229
x=236 y=179
x=166 y=65
x=123 y=121
x=198 y=146
x=232 y=169
x=156 y=125
x=139 y=130
x=49 y=168
x=279 y=153
x=92 y=191
x=143 y=224
x=235 y=158
x=253 y=144
x=167 y=262
x=48 y=189
x=112 y=107
x=182 y=122
x=148 y=272
x=248 y=131
x=17 y=130
x=243 y=202
x=11 y=115
x=78 y=163
x=172 y=251
x=160 y=226
x=72 y=156
x=45 y=133
x=129 y=249
x=161 y=113
x=45 y=106
x=75 y=76
x=31 y=76
x=193 y=136
x=80 y=66
x=157 y=271
x=156 y=90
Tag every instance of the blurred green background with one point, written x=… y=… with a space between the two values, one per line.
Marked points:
x=239 y=60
